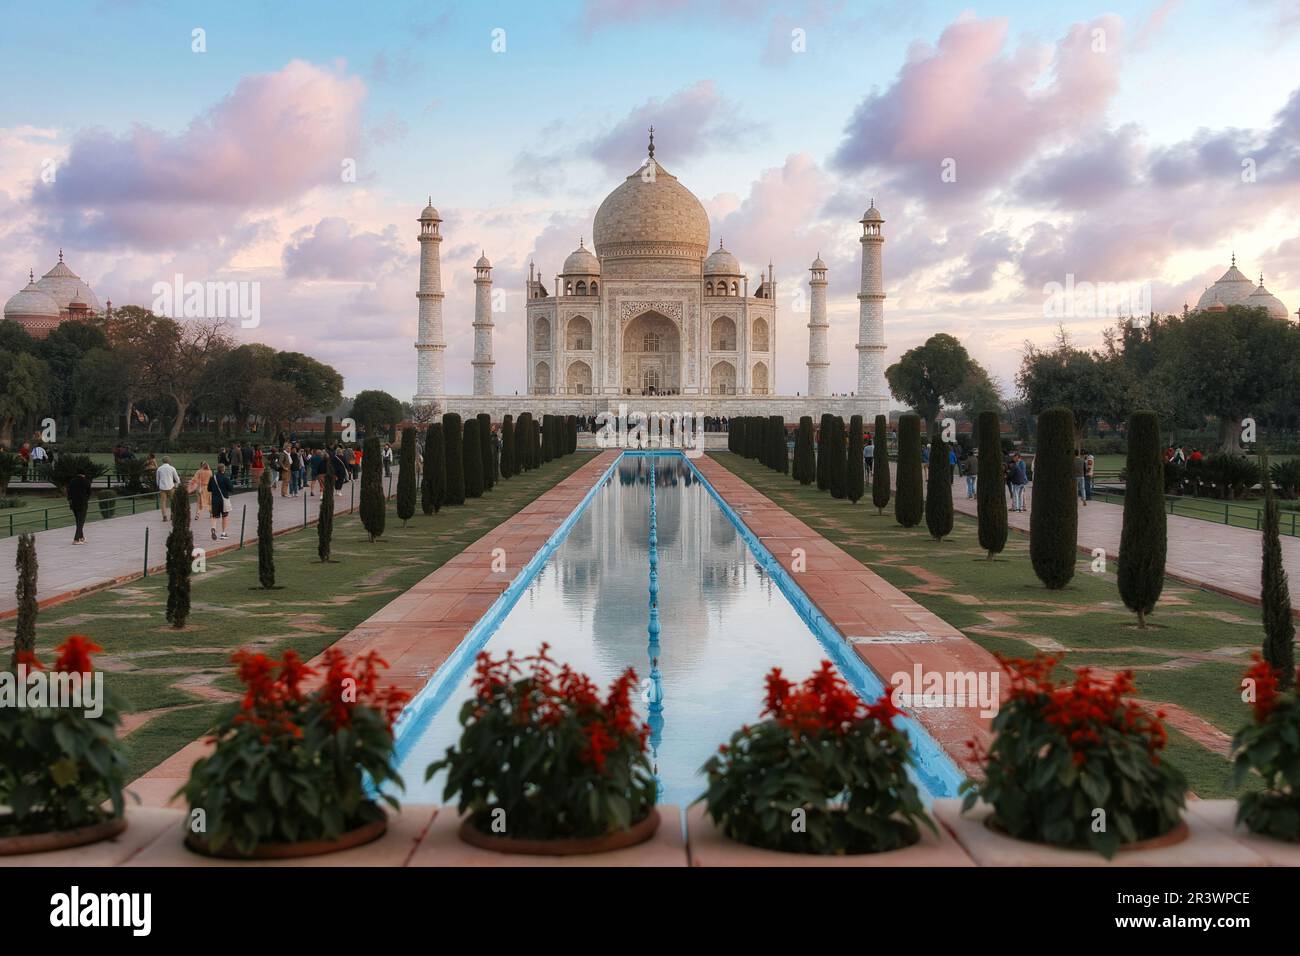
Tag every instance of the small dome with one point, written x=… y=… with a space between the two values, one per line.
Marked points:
x=818 y=265
x=31 y=301
x=1233 y=288
x=1216 y=306
x=581 y=262
x=483 y=262
x=872 y=214
x=1262 y=298
x=430 y=214
x=721 y=263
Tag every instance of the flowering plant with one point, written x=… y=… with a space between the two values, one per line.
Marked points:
x=825 y=773
x=290 y=766
x=1076 y=765
x=60 y=765
x=1270 y=747
x=541 y=746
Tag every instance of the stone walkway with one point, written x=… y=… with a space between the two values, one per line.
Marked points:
x=1215 y=557
x=114 y=552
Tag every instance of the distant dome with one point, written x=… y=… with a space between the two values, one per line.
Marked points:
x=581 y=262
x=1233 y=288
x=1216 y=306
x=651 y=214
x=818 y=265
x=872 y=214
x=64 y=286
x=430 y=214
x=721 y=263
x=31 y=301
x=483 y=262
x=1262 y=298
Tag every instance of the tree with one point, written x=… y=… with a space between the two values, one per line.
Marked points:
x=909 y=499
x=473 y=458
x=880 y=465
x=1054 y=513
x=63 y=351
x=1274 y=592
x=823 y=455
x=991 y=497
x=855 y=483
x=805 y=466
x=837 y=479
x=434 y=486
x=373 y=505
x=453 y=436
x=1142 y=540
x=508 y=467
x=25 y=594
x=180 y=554
x=24 y=391
x=523 y=455
x=14 y=338
x=938 y=497
x=99 y=383
x=485 y=450
x=320 y=385
x=978 y=393
x=180 y=355
x=265 y=531
x=927 y=375
x=277 y=403
x=325 y=520
x=1087 y=384
x=374 y=409
x=779 y=459
x=406 y=476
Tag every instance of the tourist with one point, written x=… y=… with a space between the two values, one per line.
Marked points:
x=388 y=460
x=1088 y=468
x=151 y=471
x=258 y=464
x=199 y=485
x=1196 y=455
x=1180 y=457
x=285 y=465
x=1019 y=478
x=1080 y=474
x=246 y=452
x=352 y=458
x=868 y=457
x=236 y=462
x=79 y=502
x=970 y=469
x=317 y=471
x=341 y=471
x=38 y=462
x=166 y=478
x=221 y=488
x=925 y=461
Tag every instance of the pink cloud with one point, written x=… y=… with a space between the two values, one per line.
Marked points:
x=332 y=250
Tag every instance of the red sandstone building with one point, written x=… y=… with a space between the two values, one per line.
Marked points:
x=58 y=296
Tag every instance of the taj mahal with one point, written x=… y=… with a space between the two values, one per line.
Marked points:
x=649 y=313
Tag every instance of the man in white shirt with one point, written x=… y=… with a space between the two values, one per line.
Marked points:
x=167 y=479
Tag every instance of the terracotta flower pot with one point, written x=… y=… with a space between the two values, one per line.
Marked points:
x=1171 y=837
x=62 y=839
x=569 y=846
x=366 y=833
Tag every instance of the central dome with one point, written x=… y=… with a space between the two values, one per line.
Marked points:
x=651 y=214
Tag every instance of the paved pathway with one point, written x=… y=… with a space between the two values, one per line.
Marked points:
x=1216 y=557
x=114 y=551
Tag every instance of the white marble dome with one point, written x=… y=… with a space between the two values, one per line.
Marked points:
x=1233 y=288
x=721 y=263
x=1262 y=298
x=581 y=262
x=64 y=286
x=651 y=214
x=31 y=301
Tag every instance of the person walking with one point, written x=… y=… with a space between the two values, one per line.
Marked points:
x=285 y=465
x=341 y=472
x=388 y=460
x=970 y=469
x=925 y=461
x=1089 y=466
x=868 y=457
x=151 y=471
x=79 y=502
x=1019 y=478
x=1080 y=474
x=246 y=452
x=199 y=485
x=221 y=488
x=166 y=478
x=258 y=465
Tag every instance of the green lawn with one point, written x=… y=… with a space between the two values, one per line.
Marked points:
x=1002 y=606
x=155 y=668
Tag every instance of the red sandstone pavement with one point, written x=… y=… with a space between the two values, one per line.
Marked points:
x=1215 y=557
x=418 y=630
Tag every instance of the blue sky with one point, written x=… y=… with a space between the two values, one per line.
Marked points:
x=518 y=148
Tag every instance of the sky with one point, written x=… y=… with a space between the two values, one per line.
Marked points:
x=1010 y=146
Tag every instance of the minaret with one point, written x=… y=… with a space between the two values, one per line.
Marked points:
x=430 y=385
x=871 y=310
x=818 y=330
x=483 y=326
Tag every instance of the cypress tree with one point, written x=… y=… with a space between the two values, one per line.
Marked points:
x=508 y=447
x=27 y=567
x=522 y=431
x=473 y=460
x=837 y=478
x=265 y=533
x=1054 y=512
x=779 y=459
x=329 y=431
x=373 y=505
x=1275 y=592
x=539 y=450
x=823 y=436
x=990 y=490
x=485 y=446
x=734 y=429
x=1142 y=541
x=571 y=427
x=433 y=489
x=406 y=476
x=452 y=432
x=909 y=502
x=880 y=490
x=803 y=451
x=325 y=520
x=938 y=496
x=856 y=483
x=180 y=551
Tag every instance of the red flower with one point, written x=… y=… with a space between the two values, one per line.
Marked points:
x=74 y=655
x=1265 y=681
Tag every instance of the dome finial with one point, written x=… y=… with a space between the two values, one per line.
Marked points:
x=652 y=142
x=1234 y=258
x=60 y=253
x=31 y=275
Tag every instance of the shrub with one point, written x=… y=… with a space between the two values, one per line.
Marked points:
x=1054 y=513
x=325 y=520
x=540 y=744
x=433 y=489
x=66 y=467
x=1062 y=751
x=823 y=453
x=1142 y=542
x=909 y=500
x=1269 y=749
x=880 y=490
x=508 y=469
x=805 y=466
x=26 y=569
x=453 y=433
x=991 y=497
x=180 y=553
x=1286 y=475
x=485 y=446
x=406 y=476
x=823 y=754
x=10 y=465
x=266 y=529
x=106 y=499
x=289 y=766
x=837 y=469
x=938 y=498
x=473 y=458
x=1275 y=596
x=855 y=480
x=374 y=507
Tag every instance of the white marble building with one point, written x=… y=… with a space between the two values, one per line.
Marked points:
x=649 y=316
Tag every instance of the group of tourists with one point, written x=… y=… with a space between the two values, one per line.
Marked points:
x=1176 y=455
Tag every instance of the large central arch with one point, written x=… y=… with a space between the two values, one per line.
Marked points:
x=652 y=350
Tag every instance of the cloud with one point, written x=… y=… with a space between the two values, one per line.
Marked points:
x=332 y=250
